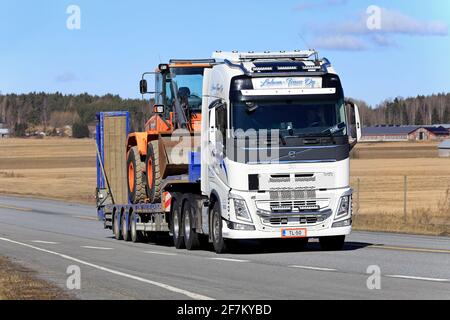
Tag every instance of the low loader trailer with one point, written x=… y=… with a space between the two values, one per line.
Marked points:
x=241 y=146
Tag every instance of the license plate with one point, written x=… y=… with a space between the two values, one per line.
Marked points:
x=293 y=233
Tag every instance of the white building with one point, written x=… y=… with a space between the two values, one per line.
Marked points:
x=444 y=149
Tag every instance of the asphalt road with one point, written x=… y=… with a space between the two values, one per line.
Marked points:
x=49 y=236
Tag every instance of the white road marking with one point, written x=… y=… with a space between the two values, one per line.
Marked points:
x=96 y=248
x=86 y=218
x=44 y=242
x=161 y=253
x=189 y=294
x=313 y=268
x=418 y=278
x=229 y=260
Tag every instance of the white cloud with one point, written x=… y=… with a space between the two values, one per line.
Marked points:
x=392 y=22
x=339 y=42
x=355 y=34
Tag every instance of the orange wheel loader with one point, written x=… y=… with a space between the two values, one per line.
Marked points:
x=178 y=101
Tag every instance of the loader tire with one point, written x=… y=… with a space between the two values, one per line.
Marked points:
x=135 y=174
x=153 y=181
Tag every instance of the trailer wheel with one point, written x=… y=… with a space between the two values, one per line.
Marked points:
x=177 y=223
x=116 y=227
x=219 y=243
x=124 y=227
x=153 y=182
x=136 y=236
x=332 y=243
x=136 y=183
x=191 y=239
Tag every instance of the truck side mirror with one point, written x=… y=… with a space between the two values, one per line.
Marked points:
x=143 y=86
x=354 y=123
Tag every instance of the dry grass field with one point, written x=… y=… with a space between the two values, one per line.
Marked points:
x=19 y=283
x=65 y=169
x=381 y=169
x=50 y=168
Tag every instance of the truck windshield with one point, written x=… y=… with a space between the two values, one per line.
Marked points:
x=296 y=118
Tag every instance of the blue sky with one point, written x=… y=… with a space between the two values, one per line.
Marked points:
x=119 y=40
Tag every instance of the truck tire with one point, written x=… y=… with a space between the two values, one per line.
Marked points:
x=153 y=181
x=136 y=182
x=191 y=237
x=116 y=226
x=124 y=227
x=136 y=236
x=176 y=224
x=332 y=243
x=219 y=243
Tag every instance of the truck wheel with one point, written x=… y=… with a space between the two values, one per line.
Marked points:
x=177 y=223
x=218 y=240
x=116 y=228
x=124 y=227
x=332 y=243
x=136 y=236
x=136 y=183
x=153 y=182
x=191 y=239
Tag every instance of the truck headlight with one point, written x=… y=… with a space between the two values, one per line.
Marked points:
x=242 y=213
x=344 y=206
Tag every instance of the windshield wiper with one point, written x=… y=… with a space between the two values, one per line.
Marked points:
x=330 y=132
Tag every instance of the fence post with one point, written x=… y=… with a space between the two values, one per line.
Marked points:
x=405 y=198
x=357 y=195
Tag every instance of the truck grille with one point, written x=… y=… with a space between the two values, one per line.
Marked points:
x=294 y=206
x=292 y=194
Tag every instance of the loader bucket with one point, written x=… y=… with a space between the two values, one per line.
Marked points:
x=175 y=154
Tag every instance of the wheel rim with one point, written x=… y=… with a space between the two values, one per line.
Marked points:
x=116 y=224
x=133 y=227
x=131 y=176
x=187 y=225
x=176 y=227
x=124 y=227
x=150 y=173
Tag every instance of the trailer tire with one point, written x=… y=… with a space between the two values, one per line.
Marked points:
x=135 y=175
x=116 y=226
x=332 y=243
x=191 y=237
x=136 y=236
x=176 y=224
x=220 y=246
x=153 y=180
x=124 y=227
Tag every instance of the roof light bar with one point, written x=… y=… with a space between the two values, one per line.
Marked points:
x=288 y=92
x=267 y=55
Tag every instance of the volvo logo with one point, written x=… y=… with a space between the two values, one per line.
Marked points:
x=292 y=154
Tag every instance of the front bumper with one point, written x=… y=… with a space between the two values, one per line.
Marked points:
x=265 y=230
x=276 y=233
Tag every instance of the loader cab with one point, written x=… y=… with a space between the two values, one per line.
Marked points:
x=181 y=80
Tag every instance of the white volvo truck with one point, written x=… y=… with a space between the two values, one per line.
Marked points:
x=273 y=161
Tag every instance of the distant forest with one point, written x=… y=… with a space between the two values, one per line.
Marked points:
x=40 y=111
x=45 y=112
x=420 y=110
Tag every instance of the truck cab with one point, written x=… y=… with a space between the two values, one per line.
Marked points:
x=277 y=133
